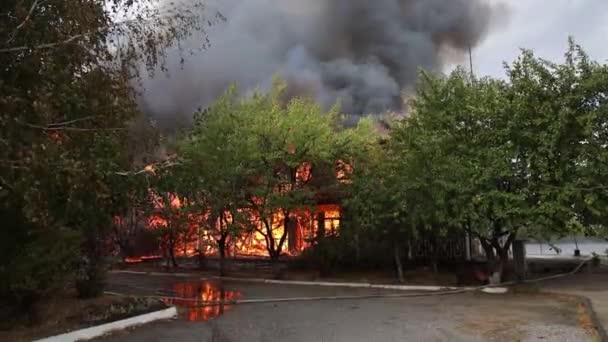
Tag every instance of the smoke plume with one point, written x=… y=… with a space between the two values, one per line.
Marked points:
x=363 y=53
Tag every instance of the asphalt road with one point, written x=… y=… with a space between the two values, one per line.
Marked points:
x=464 y=317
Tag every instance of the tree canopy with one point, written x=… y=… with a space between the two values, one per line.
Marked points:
x=498 y=159
x=258 y=159
x=67 y=100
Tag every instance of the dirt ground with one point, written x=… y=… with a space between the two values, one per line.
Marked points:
x=463 y=317
x=64 y=312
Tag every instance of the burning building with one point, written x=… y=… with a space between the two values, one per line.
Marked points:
x=363 y=54
x=184 y=233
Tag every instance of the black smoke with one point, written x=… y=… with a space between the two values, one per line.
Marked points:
x=364 y=53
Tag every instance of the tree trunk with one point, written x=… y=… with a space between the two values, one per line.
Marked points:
x=124 y=256
x=577 y=251
x=202 y=260
x=503 y=261
x=222 y=299
x=398 y=264
x=487 y=248
x=290 y=226
x=357 y=248
x=495 y=270
x=221 y=244
x=172 y=255
x=500 y=256
x=435 y=256
x=165 y=250
x=410 y=251
x=276 y=266
x=492 y=264
x=320 y=227
x=171 y=249
x=124 y=250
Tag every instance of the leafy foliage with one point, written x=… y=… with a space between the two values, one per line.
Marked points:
x=564 y=138
x=254 y=164
x=214 y=164
x=495 y=159
x=65 y=105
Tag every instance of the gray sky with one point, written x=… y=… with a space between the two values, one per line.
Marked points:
x=544 y=26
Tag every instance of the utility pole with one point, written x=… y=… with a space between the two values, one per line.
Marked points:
x=471 y=62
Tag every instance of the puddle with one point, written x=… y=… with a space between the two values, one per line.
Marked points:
x=195 y=295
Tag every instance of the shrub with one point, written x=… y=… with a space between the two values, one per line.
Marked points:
x=90 y=280
x=34 y=261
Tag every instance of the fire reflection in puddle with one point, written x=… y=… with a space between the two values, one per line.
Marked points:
x=191 y=297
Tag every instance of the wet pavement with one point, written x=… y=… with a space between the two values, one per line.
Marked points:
x=465 y=317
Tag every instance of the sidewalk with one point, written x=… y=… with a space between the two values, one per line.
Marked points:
x=593 y=286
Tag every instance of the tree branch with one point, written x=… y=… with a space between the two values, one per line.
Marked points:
x=65 y=123
x=52 y=45
x=73 y=129
x=86 y=34
x=510 y=240
x=13 y=164
x=5 y=185
x=149 y=168
x=27 y=18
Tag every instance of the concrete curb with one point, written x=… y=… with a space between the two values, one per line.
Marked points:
x=302 y=283
x=165 y=274
x=344 y=284
x=601 y=331
x=100 y=330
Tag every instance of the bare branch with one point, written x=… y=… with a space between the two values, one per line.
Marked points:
x=4 y=184
x=52 y=45
x=73 y=38
x=21 y=165
x=13 y=164
x=65 y=123
x=27 y=18
x=149 y=169
x=73 y=129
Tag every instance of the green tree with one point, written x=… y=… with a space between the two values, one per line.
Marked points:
x=171 y=219
x=559 y=118
x=290 y=139
x=505 y=159
x=136 y=204
x=214 y=155
x=264 y=159
x=377 y=205
x=65 y=101
x=494 y=159
x=463 y=161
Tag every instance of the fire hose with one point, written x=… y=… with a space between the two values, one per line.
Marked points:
x=355 y=297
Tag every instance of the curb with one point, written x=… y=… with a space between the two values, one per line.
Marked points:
x=303 y=283
x=164 y=274
x=344 y=284
x=100 y=330
x=588 y=304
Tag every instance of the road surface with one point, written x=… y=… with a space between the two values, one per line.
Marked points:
x=464 y=317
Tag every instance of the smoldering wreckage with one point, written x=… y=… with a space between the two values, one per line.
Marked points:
x=361 y=54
